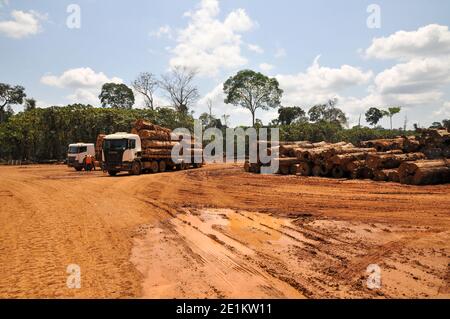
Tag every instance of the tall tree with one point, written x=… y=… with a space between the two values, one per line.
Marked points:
x=446 y=124
x=374 y=115
x=253 y=91
x=391 y=112
x=180 y=89
x=327 y=112
x=116 y=96
x=288 y=115
x=30 y=104
x=146 y=85
x=10 y=95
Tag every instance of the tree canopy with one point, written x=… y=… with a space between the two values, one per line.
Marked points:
x=253 y=91
x=374 y=115
x=180 y=89
x=116 y=96
x=288 y=115
x=327 y=112
x=146 y=84
x=10 y=95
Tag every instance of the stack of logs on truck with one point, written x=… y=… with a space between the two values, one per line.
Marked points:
x=157 y=143
x=421 y=160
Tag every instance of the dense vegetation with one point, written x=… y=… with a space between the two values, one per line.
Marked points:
x=44 y=133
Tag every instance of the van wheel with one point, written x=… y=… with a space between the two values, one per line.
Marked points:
x=136 y=168
x=112 y=173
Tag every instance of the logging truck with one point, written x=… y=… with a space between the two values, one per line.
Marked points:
x=125 y=152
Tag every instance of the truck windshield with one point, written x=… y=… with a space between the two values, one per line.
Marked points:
x=115 y=144
x=77 y=149
x=73 y=150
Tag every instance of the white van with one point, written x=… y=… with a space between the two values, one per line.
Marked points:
x=77 y=153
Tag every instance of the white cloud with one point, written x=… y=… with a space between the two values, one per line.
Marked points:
x=85 y=82
x=80 y=77
x=444 y=111
x=22 y=24
x=428 y=41
x=415 y=76
x=318 y=83
x=165 y=30
x=255 y=48
x=208 y=44
x=266 y=67
x=280 y=53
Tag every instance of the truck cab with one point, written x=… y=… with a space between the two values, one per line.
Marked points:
x=77 y=153
x=121 y=152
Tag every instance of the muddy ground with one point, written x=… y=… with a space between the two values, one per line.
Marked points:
x=218 y=232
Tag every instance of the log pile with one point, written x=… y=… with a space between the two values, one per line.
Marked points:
x=158 y=142
x=409 y=160
x=99 y=146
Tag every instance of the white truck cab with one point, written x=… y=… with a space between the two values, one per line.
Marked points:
x=77 y=153
x=121 y=152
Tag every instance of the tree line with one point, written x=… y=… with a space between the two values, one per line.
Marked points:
x=43 y=133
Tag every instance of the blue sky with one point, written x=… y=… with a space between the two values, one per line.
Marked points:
x=316 y=49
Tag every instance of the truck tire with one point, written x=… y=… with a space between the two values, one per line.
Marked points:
x=162 y=166
x=112 y=173
x=78 y=169
x=154 y=167
x=136 y=168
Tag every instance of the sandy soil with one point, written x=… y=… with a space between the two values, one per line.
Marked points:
x=219 y=232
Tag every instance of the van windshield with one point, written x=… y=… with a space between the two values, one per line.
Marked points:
x=115 y=145
x=77 y=149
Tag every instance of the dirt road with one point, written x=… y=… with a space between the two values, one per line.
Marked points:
x=219 y=232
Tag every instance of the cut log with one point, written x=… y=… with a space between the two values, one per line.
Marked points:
x=388 y=161
x=393 y=176
x=411 y=145
x=154 y=135
x=362 y=173
x=320 y=171
x=338 y=172
x=144 y=125
x=343 y=159
x=304 y=169
x=384 y=175
x=354 y=165
x=425 y=172
x=158 y=144
x=384 y=145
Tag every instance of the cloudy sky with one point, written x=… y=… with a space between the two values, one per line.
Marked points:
x=316 y=49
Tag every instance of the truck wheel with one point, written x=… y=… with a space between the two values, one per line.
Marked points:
x=136 y=168
x=162 y=166
x=78 y=169
x=154 y=166
x=112 y=173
